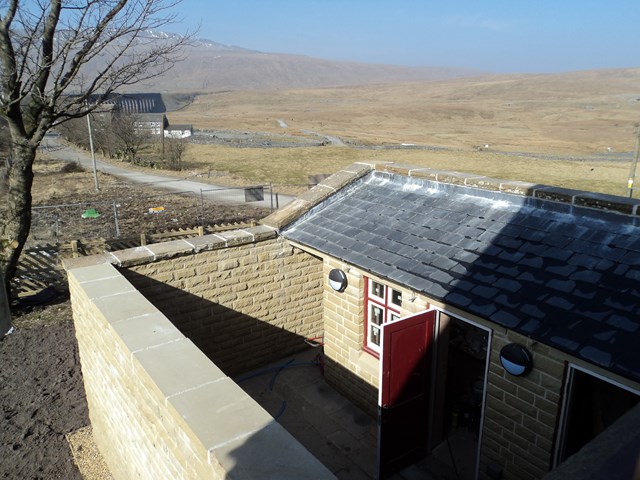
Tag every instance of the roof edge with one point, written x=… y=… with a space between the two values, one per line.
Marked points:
x=580 y=198
x=600 y=201
x=305 y=202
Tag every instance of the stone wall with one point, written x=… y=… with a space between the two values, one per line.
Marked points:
x=243 y=306
x=521 y=412
x=159 y=407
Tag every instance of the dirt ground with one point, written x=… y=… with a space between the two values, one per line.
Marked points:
x=42 y=397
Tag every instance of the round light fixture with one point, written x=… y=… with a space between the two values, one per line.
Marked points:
x=516 y=359
x=337 y=280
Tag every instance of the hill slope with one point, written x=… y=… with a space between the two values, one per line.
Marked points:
x=591 y=111
x=209 y=67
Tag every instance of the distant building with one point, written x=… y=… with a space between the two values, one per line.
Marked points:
x=152 y=123
x=178 y=131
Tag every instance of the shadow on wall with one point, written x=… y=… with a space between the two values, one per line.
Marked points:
x=235 y=342
x=238 y=344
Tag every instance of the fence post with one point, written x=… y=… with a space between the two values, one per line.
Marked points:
x=115 y=218
x=271 y=195
x=200 y=231
x=5 y=313
x=143 y=239
x=202 y=220
x=74 y=248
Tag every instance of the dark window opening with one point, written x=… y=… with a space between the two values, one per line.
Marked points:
x=593 y=406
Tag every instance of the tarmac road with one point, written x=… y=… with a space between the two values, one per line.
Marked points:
x=218 y=193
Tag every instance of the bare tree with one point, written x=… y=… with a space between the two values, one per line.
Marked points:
x=128 y=136
x=58 y=59
x=175 y=148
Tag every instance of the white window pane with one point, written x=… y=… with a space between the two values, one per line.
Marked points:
x=376 y=290
x=377 y=315
x=396 y=297
x=374 y=335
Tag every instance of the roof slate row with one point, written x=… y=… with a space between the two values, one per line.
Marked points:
x=562 y=274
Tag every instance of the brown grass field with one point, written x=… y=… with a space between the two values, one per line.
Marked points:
x=582 y=120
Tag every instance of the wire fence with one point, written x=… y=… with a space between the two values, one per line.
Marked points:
x=134 y=215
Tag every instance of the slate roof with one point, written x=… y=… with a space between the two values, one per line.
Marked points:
x=564 y=275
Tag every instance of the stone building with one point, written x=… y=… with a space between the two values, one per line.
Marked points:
x=497 y=317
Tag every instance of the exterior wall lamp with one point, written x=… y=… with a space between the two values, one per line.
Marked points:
x=338 y=280
x=516 y=359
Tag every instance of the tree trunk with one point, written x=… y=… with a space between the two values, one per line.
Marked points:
x=16 y=212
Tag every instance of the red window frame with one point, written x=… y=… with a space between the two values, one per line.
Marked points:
x=389 y=310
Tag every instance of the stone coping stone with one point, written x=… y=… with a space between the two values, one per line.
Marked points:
x=165 y=250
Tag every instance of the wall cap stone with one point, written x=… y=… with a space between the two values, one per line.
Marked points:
x=130 y=257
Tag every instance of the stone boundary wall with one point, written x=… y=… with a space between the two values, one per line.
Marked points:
x=158 y=406
x=243 y=306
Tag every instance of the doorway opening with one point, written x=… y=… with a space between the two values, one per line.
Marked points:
x=592 y=404
x=459 y=394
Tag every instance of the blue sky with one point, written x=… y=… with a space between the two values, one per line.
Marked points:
x=493 y=35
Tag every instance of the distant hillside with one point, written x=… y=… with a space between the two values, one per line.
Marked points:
x=590 y=111
x=210 y=66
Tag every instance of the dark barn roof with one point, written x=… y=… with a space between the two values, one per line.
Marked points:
x=565 y=275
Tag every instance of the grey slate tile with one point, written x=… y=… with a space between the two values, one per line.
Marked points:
x=596 y=355
x=564 y=343
x=628 y=324
x=508 y=284
x=506 y=319
x=441 y=277
x=532 y=311
x=565 y=286
x=457 y=298
x=560 y=302
x=562 y=270
x=509 y=270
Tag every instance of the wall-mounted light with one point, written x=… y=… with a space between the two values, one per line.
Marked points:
x=338 y=280
x=516 y=359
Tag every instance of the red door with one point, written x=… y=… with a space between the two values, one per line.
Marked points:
x=403 y=399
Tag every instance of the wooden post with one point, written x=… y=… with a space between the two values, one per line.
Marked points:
x=74 y=249
x=143 y=239
x=201 y=231
x=5 y=312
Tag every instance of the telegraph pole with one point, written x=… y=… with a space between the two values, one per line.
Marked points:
x=93 y=154
x=634 y=164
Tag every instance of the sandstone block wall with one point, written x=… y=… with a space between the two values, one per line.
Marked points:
x=521 y=412
x=244 y=305
x=159 y=407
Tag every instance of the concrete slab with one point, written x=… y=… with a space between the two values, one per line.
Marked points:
x=107 y=287
x=335 y=431
x=94 y=272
